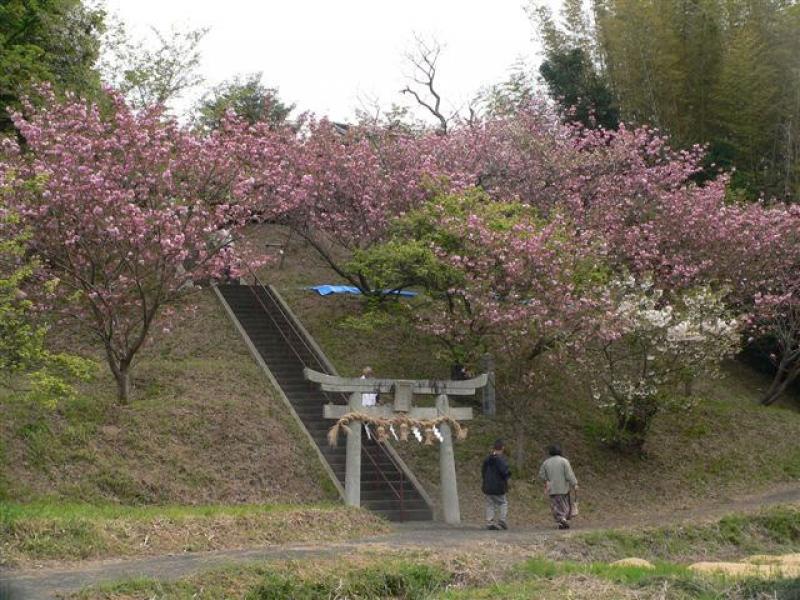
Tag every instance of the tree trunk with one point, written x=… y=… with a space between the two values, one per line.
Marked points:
x=121 y=369
x=123 y=377
x=519 y=442
x=632 y=428
x=782 y=380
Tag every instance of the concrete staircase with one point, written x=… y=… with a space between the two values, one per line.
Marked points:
x=285 y=349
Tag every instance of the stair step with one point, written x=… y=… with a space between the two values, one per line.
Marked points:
x=409 y=515
x=392 y=503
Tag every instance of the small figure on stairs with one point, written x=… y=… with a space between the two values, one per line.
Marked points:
x=368 y=399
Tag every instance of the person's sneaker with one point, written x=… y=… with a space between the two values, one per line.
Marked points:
x=492 y=527
x=563 y=525
x=502 y=524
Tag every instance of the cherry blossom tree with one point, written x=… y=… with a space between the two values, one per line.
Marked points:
x=530 y=290
x=760 y=255
x=129 y=209
x=659 y=223
x=346 y=184
x=648 y=347
x=498 y=276
x=777 y=318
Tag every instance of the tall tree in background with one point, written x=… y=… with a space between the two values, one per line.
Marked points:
x=659 y=58
x=745 y=94
x=722 y=72
x=423 y=86
x=245 y=96
x=571 y=68
x=573 y=81
x=788 y=143
x=153 y=72
x=46 y=40
x=509 y=96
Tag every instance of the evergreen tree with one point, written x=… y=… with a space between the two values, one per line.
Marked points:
x=248 y=98
x=572 y=81
x=570 y=68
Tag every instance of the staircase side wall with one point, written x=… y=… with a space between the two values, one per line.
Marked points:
x=276 y=386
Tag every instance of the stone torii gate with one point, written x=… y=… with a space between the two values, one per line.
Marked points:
x=403 y=391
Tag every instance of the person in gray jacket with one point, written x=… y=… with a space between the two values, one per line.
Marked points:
x=558 y=477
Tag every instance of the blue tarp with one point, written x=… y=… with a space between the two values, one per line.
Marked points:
x=327 y=290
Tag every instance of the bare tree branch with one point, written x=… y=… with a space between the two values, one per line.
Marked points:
x=424 y=59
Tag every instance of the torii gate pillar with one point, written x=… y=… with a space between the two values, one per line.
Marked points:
x=352 y=472
x=447 y=468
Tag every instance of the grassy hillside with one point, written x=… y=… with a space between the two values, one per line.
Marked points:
x=204 y=427
x=727 y=446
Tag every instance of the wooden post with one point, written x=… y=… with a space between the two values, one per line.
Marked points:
x=447 y=468
x=285 y=247
x=489 y=399
x=352 y=472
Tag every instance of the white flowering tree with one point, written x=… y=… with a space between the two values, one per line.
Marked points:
x=651 y=348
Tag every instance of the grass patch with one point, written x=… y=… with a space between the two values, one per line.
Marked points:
x=13 y=512
x=394 y=580
x=666 y=580
x=623 y=574
x=540 y=577
x=443 y=577
x=382 y=577
x=45 y=531
x=771 y=531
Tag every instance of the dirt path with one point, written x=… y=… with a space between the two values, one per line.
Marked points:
x=55 y=582
x=713 y=508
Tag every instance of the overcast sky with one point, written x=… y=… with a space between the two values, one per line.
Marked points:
x=328 y=55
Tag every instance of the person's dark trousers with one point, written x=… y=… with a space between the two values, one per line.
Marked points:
x=496 y=506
